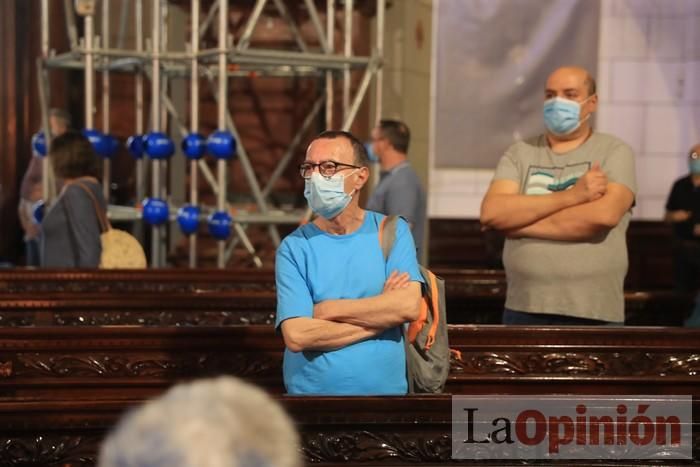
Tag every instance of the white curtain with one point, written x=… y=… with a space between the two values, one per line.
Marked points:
x=492 y=59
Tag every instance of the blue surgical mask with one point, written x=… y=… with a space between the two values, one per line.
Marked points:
x=326 y=196
x=563 y=116
x=694 y=165
x=373 y=157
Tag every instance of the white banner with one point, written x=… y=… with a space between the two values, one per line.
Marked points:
x=492 y=58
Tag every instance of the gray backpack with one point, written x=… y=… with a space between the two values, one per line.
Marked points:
x=427 y=348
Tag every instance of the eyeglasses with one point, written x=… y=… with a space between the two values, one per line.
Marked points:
x=325 y=168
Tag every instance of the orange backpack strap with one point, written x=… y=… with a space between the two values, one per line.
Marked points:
x=387 y=236
x=435 y=309
x=382 y=226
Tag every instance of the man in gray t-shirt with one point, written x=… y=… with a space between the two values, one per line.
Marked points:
x=563 y=200
x=399 y=191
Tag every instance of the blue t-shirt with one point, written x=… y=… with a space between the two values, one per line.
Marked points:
x=313 y=266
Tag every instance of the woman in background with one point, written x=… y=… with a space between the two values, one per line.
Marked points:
x=71 y=229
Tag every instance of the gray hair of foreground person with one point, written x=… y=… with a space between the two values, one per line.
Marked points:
x=222 y=422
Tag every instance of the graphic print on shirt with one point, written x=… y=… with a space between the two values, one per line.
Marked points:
x=545 y=180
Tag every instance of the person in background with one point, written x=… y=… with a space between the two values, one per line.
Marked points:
x=31 y=190
x=683 y=213
x=564 y=201
x=221 y=422
x=70 y=230
x=399 y=191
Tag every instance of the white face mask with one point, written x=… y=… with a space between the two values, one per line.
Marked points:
x=326 y=196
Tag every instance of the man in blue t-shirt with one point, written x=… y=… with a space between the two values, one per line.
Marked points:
x=340 y=305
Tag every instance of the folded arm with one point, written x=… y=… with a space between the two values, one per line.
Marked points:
x=390 y=308
x=504 y=208
x=316 y=334
x=583 y=222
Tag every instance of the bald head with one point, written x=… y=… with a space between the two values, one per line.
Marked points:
x=572 y=77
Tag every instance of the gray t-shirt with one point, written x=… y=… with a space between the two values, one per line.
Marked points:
x=71 y=231
x=581 y=279
x=399 y=192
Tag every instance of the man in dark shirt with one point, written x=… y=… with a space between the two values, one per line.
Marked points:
x=683 y=213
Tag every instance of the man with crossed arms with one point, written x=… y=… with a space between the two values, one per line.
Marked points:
x=340 y=304
x=563 y=199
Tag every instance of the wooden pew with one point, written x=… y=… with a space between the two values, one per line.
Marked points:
x=42 y=281
x=39 y=297
x=454 y=244
x=44 y=361
x=139 y=309
x=61 y=388
x=660 y=308
x=460 y=243
x=471 y=304
x=481 y=301
x=35 y=281
x=342 y=432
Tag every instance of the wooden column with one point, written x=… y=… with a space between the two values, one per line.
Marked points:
x=20 y=116
x=17 y=82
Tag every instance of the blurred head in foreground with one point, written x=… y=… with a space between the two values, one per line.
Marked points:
x=221 y=422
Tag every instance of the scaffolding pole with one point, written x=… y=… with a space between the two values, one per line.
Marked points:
x=164 y=86
x=324 y=38
x=347 y=49
x=330 y=20
x=106 y=163
x=379 y=47
x=284 y=12
x=89 y=72
x=44 y=100
x=253 y=59
x=284 y=162
x=244 y=41
x=248 y=170
x=156 y=261
x=194 y=119
x=139 y=91
x=221 y=118
x=71 y=29
x=201 y=164
x=204 y=26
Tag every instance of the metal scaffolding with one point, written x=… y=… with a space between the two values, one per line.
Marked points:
x=154 y=60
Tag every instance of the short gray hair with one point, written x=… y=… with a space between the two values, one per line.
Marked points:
x=359 y=152
x=222 y=422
